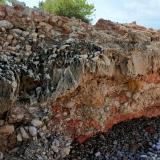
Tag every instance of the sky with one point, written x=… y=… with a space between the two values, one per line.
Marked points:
x=144 y=12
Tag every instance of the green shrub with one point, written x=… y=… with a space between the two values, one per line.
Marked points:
x=80 y=9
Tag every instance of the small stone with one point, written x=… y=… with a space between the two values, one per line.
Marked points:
x=63 y=47
x=14 y=42
x=7 y=130
x=24 y=133
x=136 y=96
x=33 y=131
x=6 y=24
x=143 y=156
x=97 y=154
x=18 y=47
x=17 y=31
x=28 y=53
x=65 y=152
x=19 y=137
x=26 y=128
x=54 y=55
x=70 y=40
x=129 y=94
x=42 y=36
x=44 y=128
x=34 y=35
x=5 y=44
x=55 y=146
x=1 y=122
x=9 y=37
x=17 y=115
x=36 y=122
x=28 y=48
x=1 y=155
x=157 y=146
x=25 y=33
x=115 y=142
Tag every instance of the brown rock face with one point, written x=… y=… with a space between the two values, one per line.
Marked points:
x=91 y=77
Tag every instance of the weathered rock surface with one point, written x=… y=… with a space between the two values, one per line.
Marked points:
x=76 y=79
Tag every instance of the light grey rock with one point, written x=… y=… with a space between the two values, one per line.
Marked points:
x=1 y=122
x=24 y=133
x=32 y=131
x=97 y=154
x=17 y=31
x=1 y=156
x=6 y=24
x=65 y=151
x=19 y=137
x=55 y=145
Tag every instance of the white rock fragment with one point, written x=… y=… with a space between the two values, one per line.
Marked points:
x=19 y=137
x=36 y=122
x=65 y=151
x=97 y=154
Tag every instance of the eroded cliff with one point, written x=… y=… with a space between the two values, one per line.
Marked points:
x=62 y=75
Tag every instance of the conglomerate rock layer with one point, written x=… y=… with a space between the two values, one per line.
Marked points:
x=88 y=77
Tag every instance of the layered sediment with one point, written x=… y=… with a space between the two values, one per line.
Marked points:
x=63 y=75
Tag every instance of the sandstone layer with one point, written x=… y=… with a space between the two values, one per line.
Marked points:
x=85 y=78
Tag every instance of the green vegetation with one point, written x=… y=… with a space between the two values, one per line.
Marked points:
x=80 y=9
x=2 y=2
x=6 y=2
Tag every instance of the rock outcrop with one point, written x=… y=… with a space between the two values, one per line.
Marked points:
x=62 y=75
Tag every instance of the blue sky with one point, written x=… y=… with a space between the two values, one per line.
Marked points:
x=144 y=12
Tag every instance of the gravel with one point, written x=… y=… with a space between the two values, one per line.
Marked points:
x=6 y=24
x=138 y=139
x=49 y=147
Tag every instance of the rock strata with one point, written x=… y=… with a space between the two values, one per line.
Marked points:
x=62 y=75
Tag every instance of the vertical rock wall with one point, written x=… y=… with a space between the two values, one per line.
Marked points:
x=62 y=75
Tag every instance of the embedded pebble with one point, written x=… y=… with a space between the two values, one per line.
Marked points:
x=1 y=122
x=55 y=145
x=24 y=133
x=1 y=155
x=7 y=130
x=33 y=131
x=19 y=137
x=36 y=122
x=6 y=24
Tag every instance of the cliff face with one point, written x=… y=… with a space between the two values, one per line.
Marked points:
x=73 y=78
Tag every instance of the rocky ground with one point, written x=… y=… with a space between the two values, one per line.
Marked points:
x=138 y=139
x=62 y=79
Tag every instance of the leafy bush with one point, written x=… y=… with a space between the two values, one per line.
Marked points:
x=80 y=9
